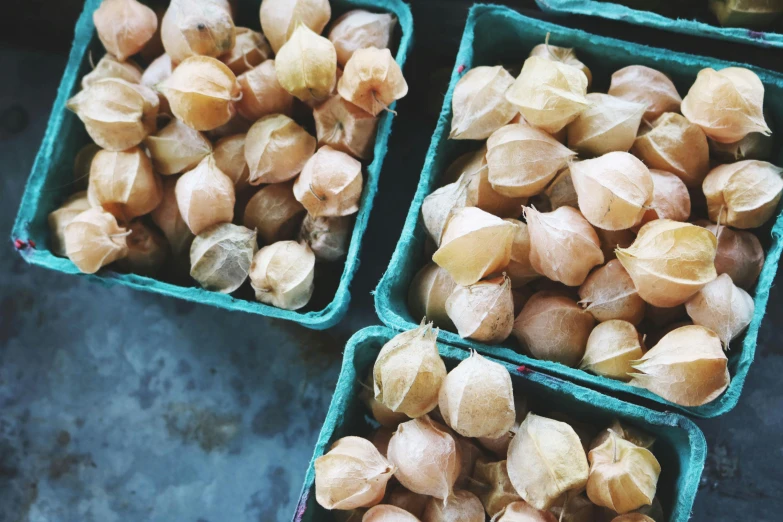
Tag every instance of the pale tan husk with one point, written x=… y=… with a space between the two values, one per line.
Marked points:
x=565 y=55
x=640 y=84
x=148 y=250
x=250 y=50
x=387 y=513
x=722 y=307
x=385 y=417
x=561 y=192
x=93 y=240
x=609 y=293
x=330 y=184
x=262 y=94
x=523 y=512
x=611 y=347
x=277 y=149
x=483 y=311
x=61 y=218
x=124 y=183
x=479 y=105
x=671 y=199
x=490 y=482
x=279 y=18
x=740 y=254
x=282 y=274
x=411 y=502
x=608 y=124
x=177 y=148
x=229 y=154
x=220 y=257
x=574 y=508
x=360 y=29
x=372 y=80
x=169 y=220
x=427 y=295
x=463 y=506
x=345 y=127
x=328 y=237
x=624 y=431
x=205 y=196
x=274 y=212
x=124 y=26
x=519 y=269
x=306 y=65
x=197 y=27
x=438 y=207
x=744 y=194
x=111 y=67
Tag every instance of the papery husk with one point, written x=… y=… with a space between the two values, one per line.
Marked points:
x=754 y=145
x=545 y=460
x=624 y=431
x=351 y=515
x=522 y=160
x=201 y=92
x=328 y=237
x=111 y=67
x=220 y=257
x=585 y=430
x=632 y=517
x=229 y=154
x=614 y=190
x=409 y=372
x=553 y=327
x=722 y=307
x=744 y=194
x=670 y=261
x=521 y=511
x=564 y=55
x=498 y=446
x=282 y=274
x=563 y=245
x=156 y=73
x=550 y=95
x=275 y=213
x=438 y=207
x=477 y=398
x=427 y=295
x=279 y=18
x=372 y=80
x=277 y=149
x=481 y=193
x=250 y=50
x=487 y=238
x=124 y=26
x=470 y=453
x=426 y=456
x=330 y=184
x=675 y=145
x=750 y=14
x=197 y=27
x=483 y=311
x=177 y=148
x=170 y=222
x=61 y=218
x=81 y=165
x=236 y=125
x=623 y=476
x=687 y=367
x=609 y=293
x=611 y=347
x=740 y=110
x=205 y=196
x=148 y=250
x=387 y=513
x=640 y=84
x=671 y=199
x=608 y=124
x=519 y=270
x=574 y=508
x=740 y=254
x=463 y=506
x=479 y=105
x=124 y=183
x=561 y=191
x=93 y=240
x=262 y=94
x=411 y=502
x=383 y=415
x=360 y=29
x=351 y=474
x=490 y=482
x=306 y=65
x=345 y=127
x=117 y=114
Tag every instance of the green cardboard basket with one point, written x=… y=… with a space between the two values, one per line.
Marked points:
x=48 y=184
x=500 y=35
x=680 y=446
x=613 y=11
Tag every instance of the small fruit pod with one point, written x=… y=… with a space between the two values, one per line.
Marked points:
x=679 y=444
x=679 y=17
x=491 y=32
x=51 y=181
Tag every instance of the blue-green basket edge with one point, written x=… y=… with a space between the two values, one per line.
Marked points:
x=696 y=441
x=318 y=320
x=624 y=13
x=726 y=402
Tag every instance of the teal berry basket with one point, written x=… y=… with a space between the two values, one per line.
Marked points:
x=496 y=35
x=638 y=16
x=679 y=447
x=47 y=186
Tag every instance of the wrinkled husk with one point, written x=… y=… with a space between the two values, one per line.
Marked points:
x=282 y=274
x=651 y=88
x=220 y=257
x=197 y=27
x=276 y=149
x=81 y=165
x=351 y=474
x=61 y=218
x=177 y=148
x=687 y=367
x=608 y=124
x=262 y=94
x=279 y=18
x=554 y=328
x=148 y=250
x=124 y=26
x=372 y=80
x=753 y=146
x=611 y=347
x=564 y=55
x=411 y=502
x=561 y=192
x=550 y=95
x=479 y=105
x=519 y=269
x=170 y=222
x=439 y=207
x=250 y=50
x=274 y=212
x=483 y=311
x=675 y=145
x=409 y=372
x=345 y=127
x=614 y=190
x=426 y=456
x=522 y=160
x=111 y=67
x=490 y=482
x=236 y=125
x=306 y=65
x=470 y=453
x=382 y=414
x=671 y=199
x=156 y=73
x=523 y=512
x=205 y=196
x=480 y=192
x=624 y=431
x=463 y=506
x=93 y=240
x=124 y=183
x=486 y=237
x=744 y=194
x=608 y=293
x=229 y=154
x=117 y=114
x=328 y=237
x=360 y=29
x=740 y=110
x=750 y=14
x=740 y=254
x=670 y=261
x=563 y=245
x=387 y=513
x=427 y=295
x=574 y=508
x=330 y=184
x=545 y=460
x=722 y=307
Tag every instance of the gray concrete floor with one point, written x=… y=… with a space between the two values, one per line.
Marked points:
x=121 y=406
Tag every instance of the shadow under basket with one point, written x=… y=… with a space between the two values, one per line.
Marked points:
x=52 y=175
x=497 y=35
x=679 y=447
